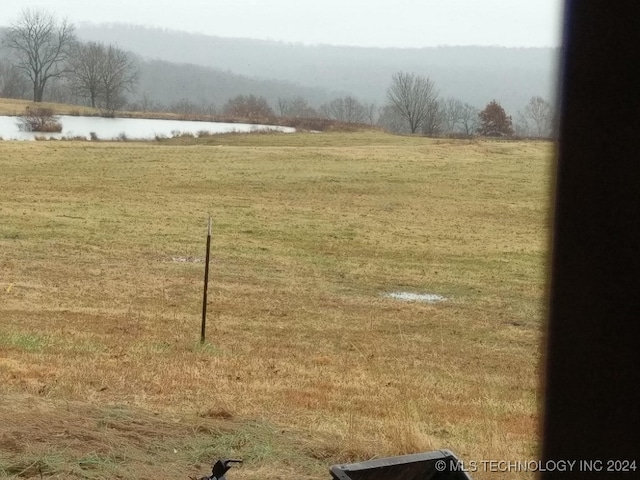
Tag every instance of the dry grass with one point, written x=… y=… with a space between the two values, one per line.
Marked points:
x=12 y=106
x=307 y=363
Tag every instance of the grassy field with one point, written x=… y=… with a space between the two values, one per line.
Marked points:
x=307 y=363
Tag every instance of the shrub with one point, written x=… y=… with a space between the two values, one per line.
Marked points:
x=249 y=107
x=494 y=121
x=39 y=120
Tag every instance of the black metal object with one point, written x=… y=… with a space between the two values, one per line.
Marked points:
x=220 y=468
x=592 y=385
x=437 y=465
x=203 y=326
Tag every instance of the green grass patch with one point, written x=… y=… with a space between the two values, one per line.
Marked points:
x=26 y=342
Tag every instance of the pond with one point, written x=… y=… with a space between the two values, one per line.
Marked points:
x=129 y=128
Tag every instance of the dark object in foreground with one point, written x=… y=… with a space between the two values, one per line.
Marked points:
x=591 y=387
x=221 y=467
x=438 y=465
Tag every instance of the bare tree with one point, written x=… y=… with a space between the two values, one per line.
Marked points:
x=207 y=108
x=451 y=114
x=12 y=83
x=283 y=106
x=345 y=109
x=41 y=45
x=250 y=107
x=59 y=90
x=469 y=117
x=389 y=119
x=434 y=122
x=296 y=107
x=371 y=113
x=537 y=119
x=119 y=75
x=458 y=117
x=102 y=74
x=145 y=104
x=86 y=64
x=184 y=107
x=414 y=98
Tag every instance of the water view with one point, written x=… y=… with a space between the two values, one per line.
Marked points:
x=128 y=128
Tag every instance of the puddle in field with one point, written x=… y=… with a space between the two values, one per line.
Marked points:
x=416 y=297
x=187 y=259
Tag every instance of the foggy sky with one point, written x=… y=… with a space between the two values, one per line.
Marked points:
x=379 y=23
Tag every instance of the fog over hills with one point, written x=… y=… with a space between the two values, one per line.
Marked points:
x=475 y=75
x=165 y=82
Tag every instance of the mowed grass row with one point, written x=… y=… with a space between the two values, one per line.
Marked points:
x=101 y=249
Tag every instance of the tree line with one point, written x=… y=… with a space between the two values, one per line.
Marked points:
x=414 y=106
x=45 y=56
x=43 y=50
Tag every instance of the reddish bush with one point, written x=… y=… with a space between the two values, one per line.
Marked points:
x=494 y=121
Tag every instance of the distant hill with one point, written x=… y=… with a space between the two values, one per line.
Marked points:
x=475 y=75
x=169 y=83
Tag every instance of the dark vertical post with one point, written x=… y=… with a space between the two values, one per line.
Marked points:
x=206 y=285
x=592 y=386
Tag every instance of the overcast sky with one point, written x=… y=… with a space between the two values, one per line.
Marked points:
x=382 y=23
